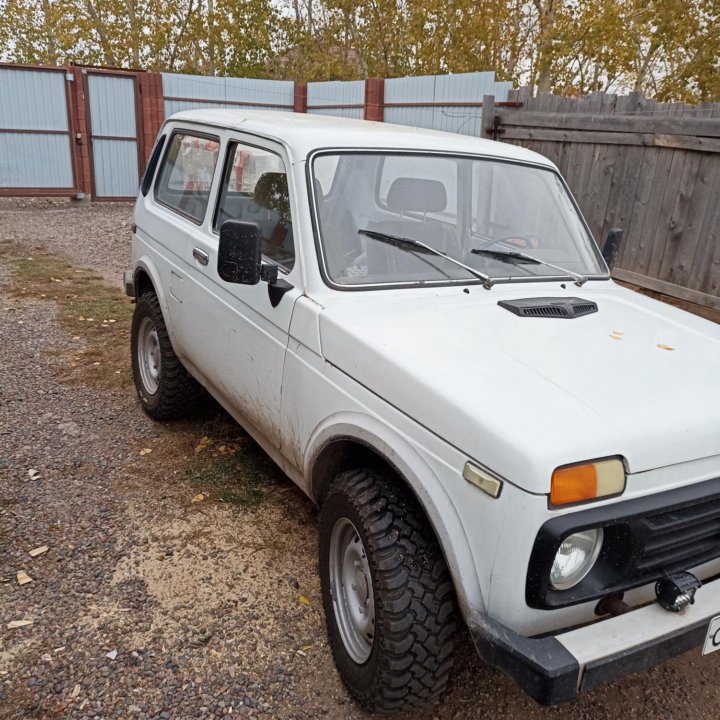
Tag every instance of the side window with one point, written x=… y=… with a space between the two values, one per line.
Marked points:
x=255 y=189
x=186 y=174
x=152 y=166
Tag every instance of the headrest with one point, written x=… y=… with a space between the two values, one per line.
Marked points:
x=415 y=194
x=271 y=193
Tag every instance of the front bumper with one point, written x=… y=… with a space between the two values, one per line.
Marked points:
x=129 y=283
x=554 y=669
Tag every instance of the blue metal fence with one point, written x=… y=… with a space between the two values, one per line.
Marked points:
x=44 y=120
x=35 y=149
x=337 y=98
x=442 y=102
x=114 y=141
x=188 y=92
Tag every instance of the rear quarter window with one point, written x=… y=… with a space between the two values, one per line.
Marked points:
x=186 y=174
x=152 y=166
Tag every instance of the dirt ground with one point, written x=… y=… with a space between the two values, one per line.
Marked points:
x=180 y=579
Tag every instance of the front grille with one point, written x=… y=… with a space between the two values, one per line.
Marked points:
x=645 y=539
x=680 y=539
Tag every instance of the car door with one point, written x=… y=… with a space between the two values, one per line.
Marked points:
x=240 y=339
x=178 y=224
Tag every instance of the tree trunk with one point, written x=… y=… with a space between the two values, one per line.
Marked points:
x=99 y=23
x=51 y=57
x=546 y=23
x=134 y=35
x=180 y=35
x=211 y=37
x=641 y=76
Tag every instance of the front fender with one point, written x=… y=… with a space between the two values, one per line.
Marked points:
x=420 y=477
x=144 y=263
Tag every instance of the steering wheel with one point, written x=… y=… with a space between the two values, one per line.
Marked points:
x=528 y=242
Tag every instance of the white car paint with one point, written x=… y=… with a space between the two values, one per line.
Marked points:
x=514 y=391
x=432 y=377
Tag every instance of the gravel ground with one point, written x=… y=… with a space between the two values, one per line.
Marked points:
x=149 y=605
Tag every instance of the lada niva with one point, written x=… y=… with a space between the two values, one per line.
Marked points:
x=420 y=330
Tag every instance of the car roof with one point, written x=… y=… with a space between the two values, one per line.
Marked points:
x=304 y=133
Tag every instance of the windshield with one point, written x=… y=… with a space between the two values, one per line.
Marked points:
x=489 y=215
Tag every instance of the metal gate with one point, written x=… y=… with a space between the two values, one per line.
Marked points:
x=36 y=155
x=115 y=147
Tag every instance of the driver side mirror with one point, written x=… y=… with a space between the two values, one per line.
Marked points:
x=240 y=253
x=612 y=246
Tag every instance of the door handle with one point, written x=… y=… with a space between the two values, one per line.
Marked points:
x=201 y=256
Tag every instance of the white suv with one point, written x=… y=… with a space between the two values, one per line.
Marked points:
x=420 y=330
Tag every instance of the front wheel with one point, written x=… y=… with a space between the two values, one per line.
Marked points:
x=388 y=598
x=167 y=391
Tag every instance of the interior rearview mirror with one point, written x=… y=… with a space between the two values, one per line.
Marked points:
x=240 y=253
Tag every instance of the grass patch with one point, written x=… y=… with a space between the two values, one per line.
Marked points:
x=231 y=479
x=228 y=466
x=96 y=315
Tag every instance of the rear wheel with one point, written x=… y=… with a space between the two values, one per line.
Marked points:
x=167 y=391
x=388 y=598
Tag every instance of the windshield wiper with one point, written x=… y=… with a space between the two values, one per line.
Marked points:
x=420 y=247
x=580 y=280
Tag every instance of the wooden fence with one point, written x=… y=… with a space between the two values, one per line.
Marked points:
x=652 y=169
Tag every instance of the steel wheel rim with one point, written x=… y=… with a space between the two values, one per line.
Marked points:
x=148 y=355
x=352 y=591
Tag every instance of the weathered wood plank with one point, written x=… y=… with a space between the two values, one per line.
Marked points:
x=677 y=291
x=664 y=228
x=622 y=196
x=664 y=125
x=706 y=264
x=643 y=194
x=576 y=136
x=601 y=175
x=488 y=117
x=688 y=142
x=680 y=242
x=586 y=154
x=665 y=185
x=702 y=227
x=679 y=142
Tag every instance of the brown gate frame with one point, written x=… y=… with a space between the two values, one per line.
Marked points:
x=139 y=134
x=70 y=133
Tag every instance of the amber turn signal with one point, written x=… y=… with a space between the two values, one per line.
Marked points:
x=588 y=481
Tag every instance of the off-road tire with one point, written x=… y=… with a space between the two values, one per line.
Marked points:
x=415 y=612
x=177 y=392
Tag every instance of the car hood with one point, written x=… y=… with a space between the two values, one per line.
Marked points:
x=523 y=395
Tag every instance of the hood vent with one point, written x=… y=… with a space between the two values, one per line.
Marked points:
x=549 y=307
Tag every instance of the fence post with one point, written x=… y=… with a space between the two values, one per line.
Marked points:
x=488 y=117
x=300 y=98
x=79 y=132
x=374 y=99
x=152 y=108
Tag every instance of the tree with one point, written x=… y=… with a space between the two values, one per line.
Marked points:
x=211 y=36
x=668 y=49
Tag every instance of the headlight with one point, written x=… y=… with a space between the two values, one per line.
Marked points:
x=575 y=558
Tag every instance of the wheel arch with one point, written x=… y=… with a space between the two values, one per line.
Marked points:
x=146 y=278
x=356 y=440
